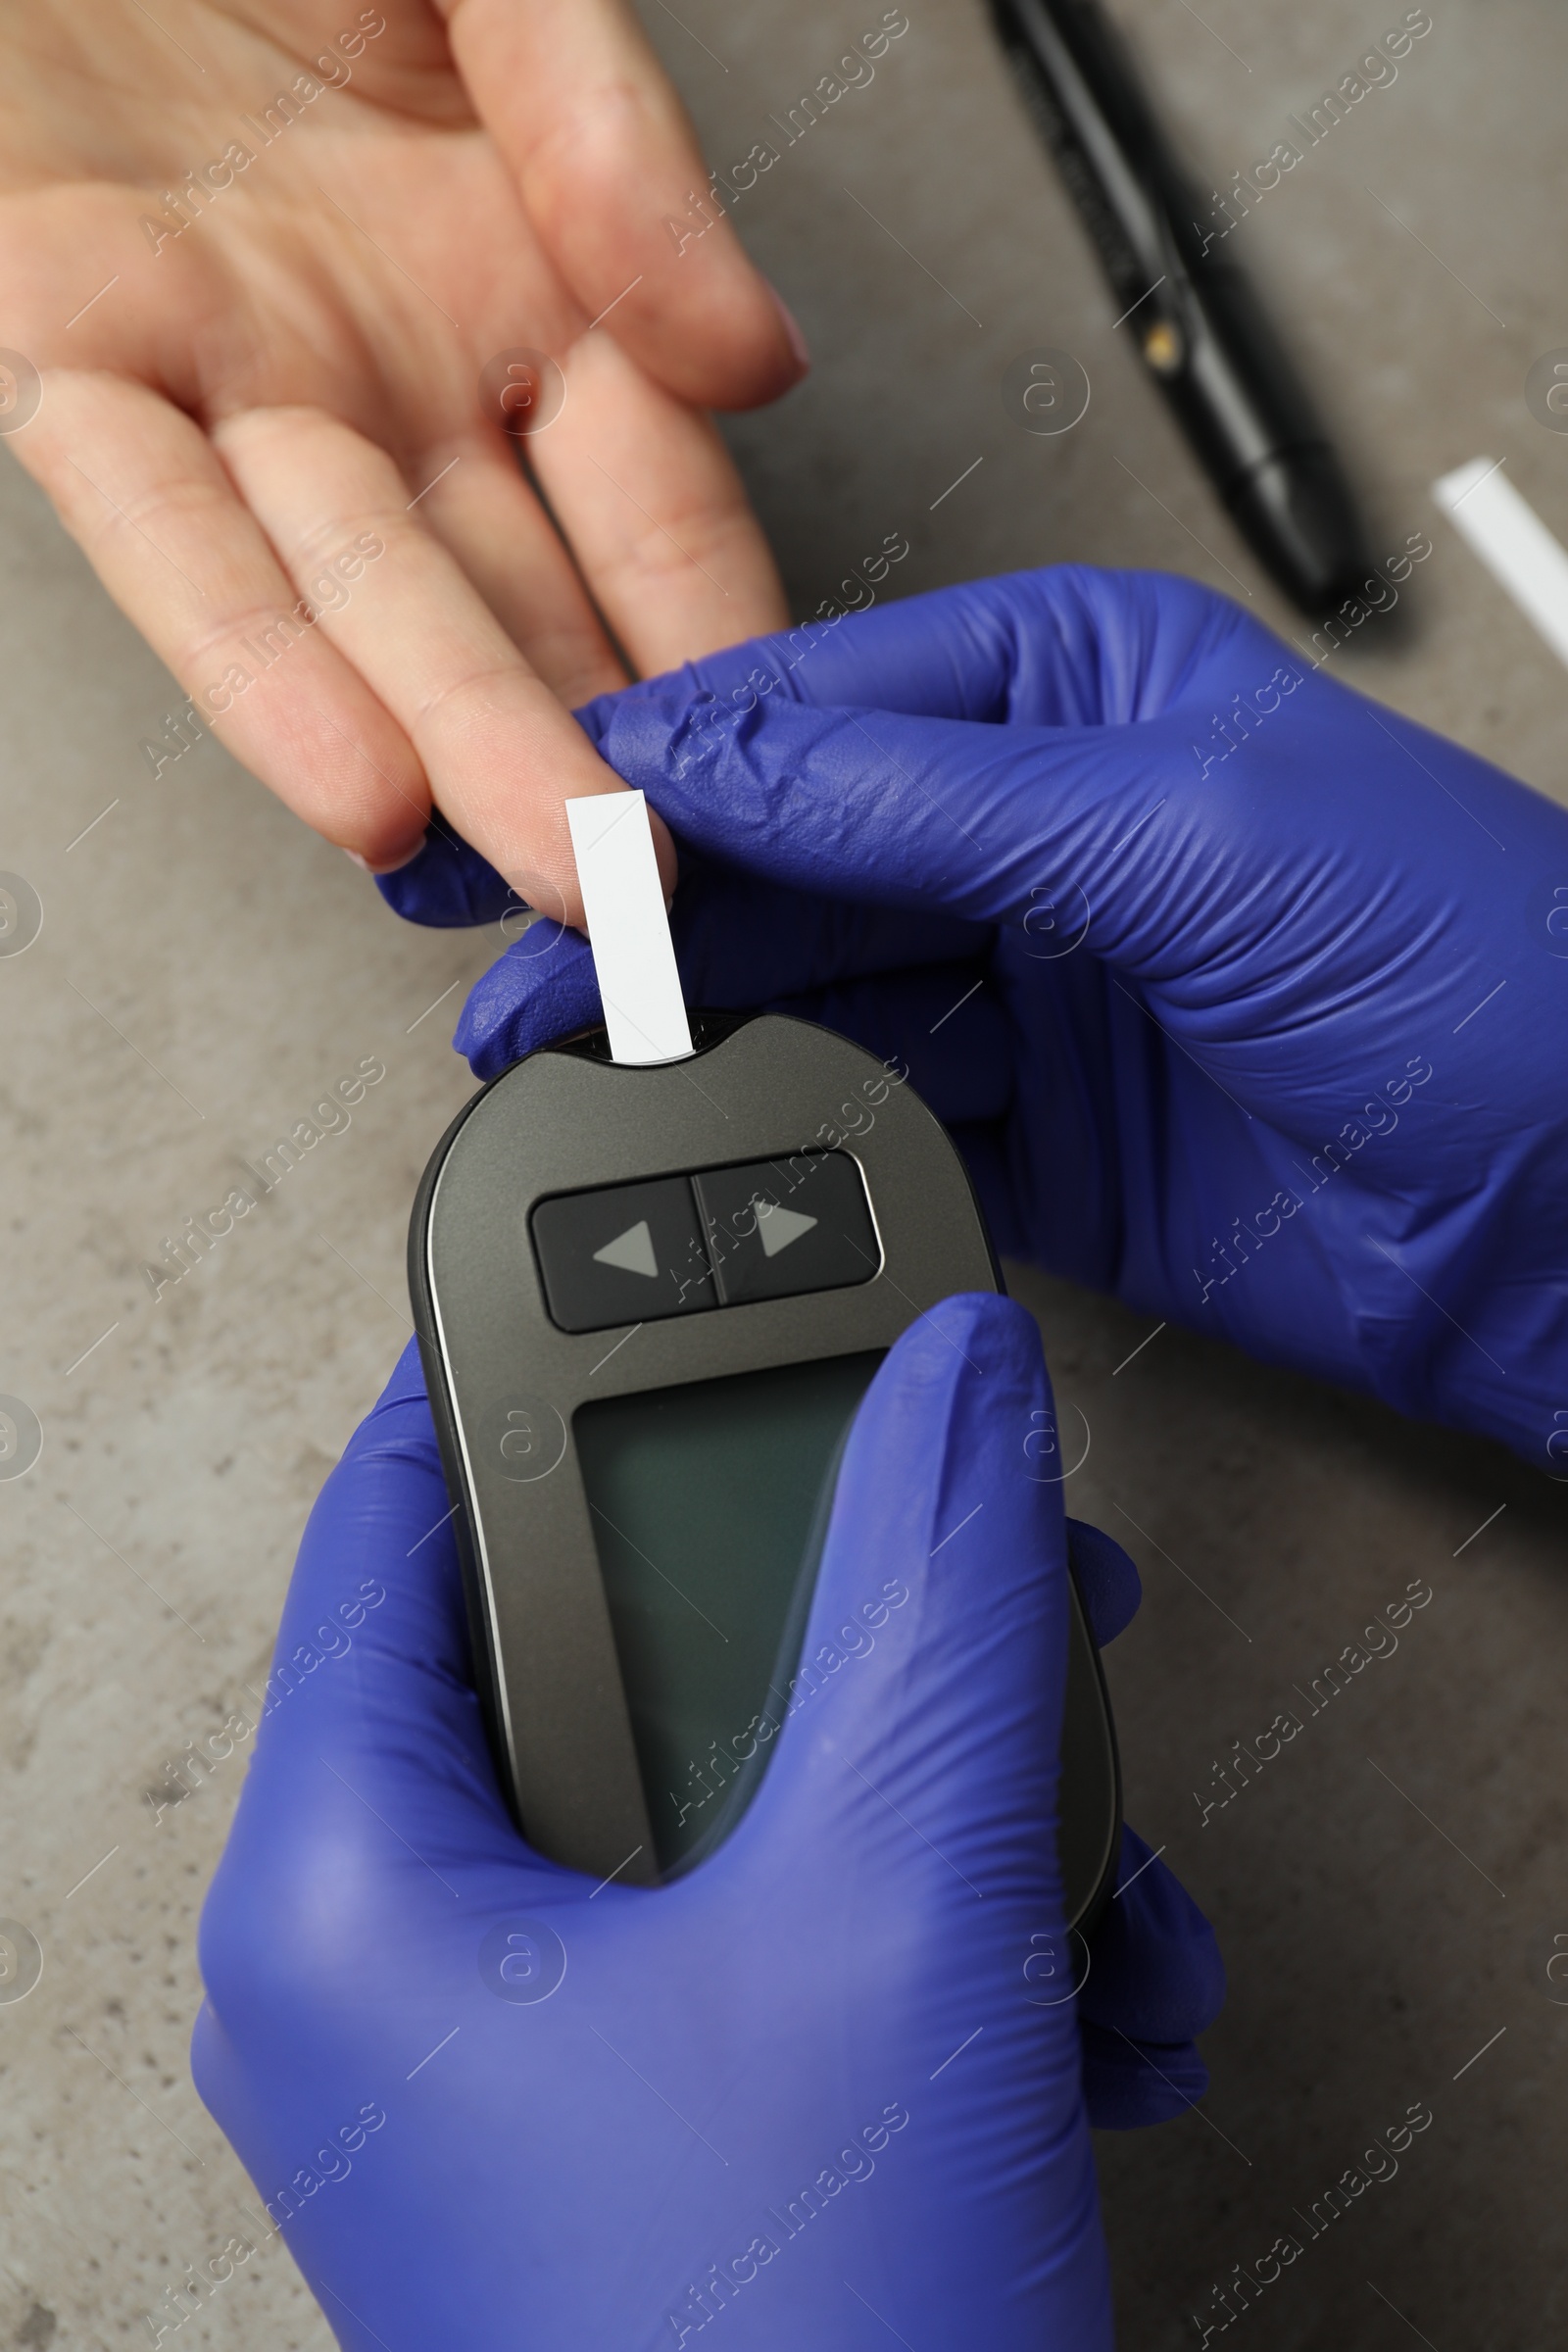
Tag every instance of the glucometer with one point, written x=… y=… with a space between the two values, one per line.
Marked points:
x=650 y=1293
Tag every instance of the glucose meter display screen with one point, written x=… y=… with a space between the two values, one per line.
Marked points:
x=708 y=1503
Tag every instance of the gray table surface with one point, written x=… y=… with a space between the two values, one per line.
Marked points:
x=206 y=967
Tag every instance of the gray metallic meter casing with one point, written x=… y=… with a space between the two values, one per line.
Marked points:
x=566 y=1120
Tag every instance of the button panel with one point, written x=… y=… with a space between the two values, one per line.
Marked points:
x=722 y=1236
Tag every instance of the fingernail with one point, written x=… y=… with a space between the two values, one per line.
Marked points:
x=393 y=866
x=792 y=327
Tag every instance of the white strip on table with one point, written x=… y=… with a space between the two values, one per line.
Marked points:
x=628 y=928
x=1512 y=541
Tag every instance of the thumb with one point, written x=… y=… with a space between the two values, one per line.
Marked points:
x=931 y=1676
x=908 y=1812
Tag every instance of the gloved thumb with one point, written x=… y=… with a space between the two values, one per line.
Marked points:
x=934 y=1659
x=907 y=1814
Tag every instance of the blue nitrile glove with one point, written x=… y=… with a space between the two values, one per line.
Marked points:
x=829 y=2082
x=1268 y=1030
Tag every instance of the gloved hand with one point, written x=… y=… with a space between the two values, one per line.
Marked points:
x=827 y=2083
x=1246 y=998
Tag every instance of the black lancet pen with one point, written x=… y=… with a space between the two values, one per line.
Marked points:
x=1203 y=335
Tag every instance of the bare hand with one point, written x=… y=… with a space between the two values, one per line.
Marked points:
x=261 y=259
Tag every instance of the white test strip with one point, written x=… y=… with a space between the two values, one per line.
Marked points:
x=628 y=929
x=1512 y=541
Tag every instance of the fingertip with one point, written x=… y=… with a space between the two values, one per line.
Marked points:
x=743 y=347
x=1130 y=2085
x=965 y=1341
x=1108 y=1581
x=446 y=885
x=391 y=861
x=710 y=328
x=791 y=328
x=952 y=1414
x=1159 y=1975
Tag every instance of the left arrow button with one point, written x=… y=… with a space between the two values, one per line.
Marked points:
x=625 y=1253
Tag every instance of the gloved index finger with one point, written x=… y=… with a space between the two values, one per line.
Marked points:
x=981 y=820
x=1216 y=828
x=1067 y=648
x=987 y=749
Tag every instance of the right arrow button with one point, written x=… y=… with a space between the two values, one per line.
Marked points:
x=774 y=1228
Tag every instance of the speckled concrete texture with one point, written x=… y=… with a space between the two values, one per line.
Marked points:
x=1388 y=1889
